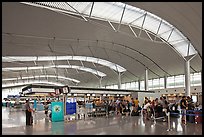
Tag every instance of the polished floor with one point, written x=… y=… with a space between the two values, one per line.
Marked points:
x=13 y=122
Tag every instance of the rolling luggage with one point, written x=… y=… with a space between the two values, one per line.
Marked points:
x=31 y=120
x=135 y=113
x=198 y=117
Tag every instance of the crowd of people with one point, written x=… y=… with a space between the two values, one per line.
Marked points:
x=158 y=107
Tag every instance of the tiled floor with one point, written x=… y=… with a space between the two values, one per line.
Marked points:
x=13 y=122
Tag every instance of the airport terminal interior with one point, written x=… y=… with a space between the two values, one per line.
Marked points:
x=102 y=68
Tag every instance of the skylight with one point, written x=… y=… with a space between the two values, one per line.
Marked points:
x=31 y=82
x=41 y=76
x=93 y=71
x=121 y=13
x=109 y=64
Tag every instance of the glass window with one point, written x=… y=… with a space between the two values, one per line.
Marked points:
x=123 y=86
x=136 y=85
x=142 y=85
x=179 y=81
x=132 y=84
x=115 y=86
x=170 y=82
x=161 y=83
x=196 y=79
x=156 y=84
x=128 y=85
x=150 y=84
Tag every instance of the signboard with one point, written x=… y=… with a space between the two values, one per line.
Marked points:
x=57 y=91
x=70 y=106
x=57 y=111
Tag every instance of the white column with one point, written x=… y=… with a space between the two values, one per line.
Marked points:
x=187 y=78
x=165 y=82
x=187 y=74
x=100 y=82
x=146 y=80
x=119 y=80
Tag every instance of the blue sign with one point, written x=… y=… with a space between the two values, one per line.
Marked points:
x=70 y=106
x=57 y=111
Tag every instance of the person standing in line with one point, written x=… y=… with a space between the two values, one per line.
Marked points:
x=28 y=113
x=46 y=107
x=136 y=102
x=183 y=105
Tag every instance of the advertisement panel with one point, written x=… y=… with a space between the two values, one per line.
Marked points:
x=57 y=111
x=71 y=106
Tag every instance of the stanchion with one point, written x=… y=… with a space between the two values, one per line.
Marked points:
x=169 y=122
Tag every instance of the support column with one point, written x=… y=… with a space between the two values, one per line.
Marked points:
x=119 y=80
x=146 y=80
x=165 y=82
x=139 y=84
x=64 y=102
x=100 y=82
x=84 y=100
x=187 y=78
x=187 y=75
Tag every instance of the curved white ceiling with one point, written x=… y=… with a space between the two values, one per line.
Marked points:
x=121 y=13
x=40 y=76
x=103 y=62
x=31 y=82
x=93 y=71
x=30 y=31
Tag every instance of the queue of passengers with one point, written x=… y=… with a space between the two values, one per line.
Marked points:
x=160 y=106
x=122 y=106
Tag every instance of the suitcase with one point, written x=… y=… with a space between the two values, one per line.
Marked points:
x=135 y=113
x=198 y=117
x=31 y=120
x=191 y=118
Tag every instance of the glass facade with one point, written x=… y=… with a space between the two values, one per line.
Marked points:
x=172 y=82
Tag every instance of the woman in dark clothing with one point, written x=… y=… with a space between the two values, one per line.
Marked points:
x=184 y=107
x=28 y=113
x=46 y=108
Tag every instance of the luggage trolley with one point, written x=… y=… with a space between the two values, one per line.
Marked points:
x=160 y=113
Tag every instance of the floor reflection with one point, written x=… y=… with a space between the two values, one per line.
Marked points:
x=13 y=122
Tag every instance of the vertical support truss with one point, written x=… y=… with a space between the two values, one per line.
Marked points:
x=170 y=34
x=82 y=63
x=132 y=31
x=121 y=17
x=188 y=48
x=76 y=11
x=148 y=35
x=66 y=70
x=35 y=63
x=91 y=9
x=142 y=24
x=112 y=25
x=158 y=30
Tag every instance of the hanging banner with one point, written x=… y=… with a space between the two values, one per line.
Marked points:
x=57 y=111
